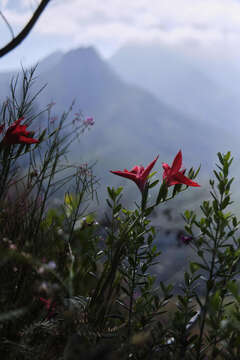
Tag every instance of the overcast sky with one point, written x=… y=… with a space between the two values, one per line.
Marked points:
x=213 y=25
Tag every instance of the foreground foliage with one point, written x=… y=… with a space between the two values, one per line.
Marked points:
x=73 y=289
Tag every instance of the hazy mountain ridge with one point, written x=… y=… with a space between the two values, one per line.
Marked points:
x=126 y=116
x=179 y=80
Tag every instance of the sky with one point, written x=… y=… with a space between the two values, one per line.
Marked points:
x=212 y=26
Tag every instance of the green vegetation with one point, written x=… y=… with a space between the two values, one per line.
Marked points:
x=72 y=288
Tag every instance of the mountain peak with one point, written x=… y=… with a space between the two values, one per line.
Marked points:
x=84 y=54
x=49 y=61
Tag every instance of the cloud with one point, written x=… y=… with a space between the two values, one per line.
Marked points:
x=112 y=23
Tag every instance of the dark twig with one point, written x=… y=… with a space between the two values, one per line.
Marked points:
x=25 y=31
x=7 y=23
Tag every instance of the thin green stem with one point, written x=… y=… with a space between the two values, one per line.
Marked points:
x=209 y=289
x=132 y=293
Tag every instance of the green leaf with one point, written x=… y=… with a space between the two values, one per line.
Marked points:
x=153 y=184
x=210 y=284
x=54 y=132
x=176 y=189
x=186 y=278
x=225 y=202
x=227 y=156
x=220 y=158
x=109 y=204
x=144 y=268
x=196 y=173
x=198 y=299
x=234 y=221
x=68 y=199
x=230 y=233
x=20 y=149
x=194 y=266
x=187 y=214
x=41 y=137
x=119 y=190
x=221 y=187
x=225 y=170
x=215 y=206
x=190 y=173
x=148 y=211
x=166 y=289
x=233 y=287
x=117 y=208
x=152 y=174
x=125 y=290
x=111 y=193
x=215 y=301
x=217 y=175
x=163 y=191
x=229 y=184
x=131 y=261
x=211 y=182
x=89 y=219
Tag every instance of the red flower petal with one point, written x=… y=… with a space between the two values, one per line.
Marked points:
x=149 y=168
x=137 y=170
x=181 y=179
x=138 y=174
x=125 y=174
x=16 y=123
x=177 y=163
x=27 y=140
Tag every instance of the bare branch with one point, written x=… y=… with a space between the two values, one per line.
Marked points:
x=25 y=31
x=7 y=23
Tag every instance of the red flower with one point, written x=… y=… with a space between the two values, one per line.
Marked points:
x=172 y=175
x=186 y=239
x=1 y=128
x=138 y=174
x=17 y=134
x=50 y=306
x=88 y=122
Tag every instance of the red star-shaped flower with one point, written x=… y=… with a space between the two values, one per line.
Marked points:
x=17 y=134
x=138 y=174
x=173 y=175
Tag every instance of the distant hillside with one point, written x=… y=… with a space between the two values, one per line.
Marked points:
x=50 y=61
x=131 y=123
x=180 y=81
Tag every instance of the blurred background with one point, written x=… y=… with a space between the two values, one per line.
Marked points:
x=156 y=76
